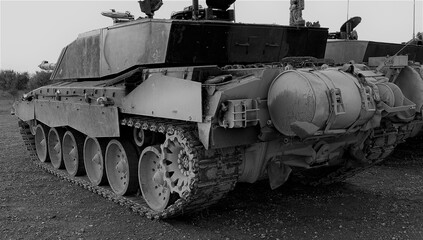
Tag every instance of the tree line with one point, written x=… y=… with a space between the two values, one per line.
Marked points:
x=13 y=82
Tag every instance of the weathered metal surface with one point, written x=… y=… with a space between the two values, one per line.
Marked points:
x=231 y=137
x=86 y=91
x=297 y=96
x=115 y=49
x=92 y=120
x=241 y=43
x=136 y=43
x=411 y=85
x=414 y=52
x=24 y=110
x=397 y=61
x=80 y=58
x=343 y=51
x=165 y=97
x=253 y=84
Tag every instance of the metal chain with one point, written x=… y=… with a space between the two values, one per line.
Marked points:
x=203 y=194
x=379 y=146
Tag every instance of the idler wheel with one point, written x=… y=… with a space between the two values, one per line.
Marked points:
x=72 y=153
x=151 y=179
x=55 y=136
x=41 y=142
x=121 y=167
x=94 y=150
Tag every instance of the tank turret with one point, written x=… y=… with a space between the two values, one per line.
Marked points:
x=113 y=50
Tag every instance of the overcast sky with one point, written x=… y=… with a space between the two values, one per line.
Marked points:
x=32 y=31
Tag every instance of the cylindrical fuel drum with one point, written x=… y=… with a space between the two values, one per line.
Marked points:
x=305 y=96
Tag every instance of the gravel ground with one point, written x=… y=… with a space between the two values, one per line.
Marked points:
x=385 y=202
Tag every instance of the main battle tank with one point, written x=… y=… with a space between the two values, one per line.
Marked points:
x=166 y=116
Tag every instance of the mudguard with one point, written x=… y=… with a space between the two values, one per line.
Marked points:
x=92 y=120
x=165 y=97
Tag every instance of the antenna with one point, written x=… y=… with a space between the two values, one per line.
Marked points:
x=414 y=19
x=348 y=9
x=234 y=13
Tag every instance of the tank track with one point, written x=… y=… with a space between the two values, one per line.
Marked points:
x=204 y=191
x=379 y=146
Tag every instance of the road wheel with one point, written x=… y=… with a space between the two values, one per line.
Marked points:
x=72 y=153
x=55 y=135
x=121 y=167
x=151 y=179
x=94 y=150
x=41 y=142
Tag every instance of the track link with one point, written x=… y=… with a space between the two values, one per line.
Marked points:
x=205 y=191
x=377 y=148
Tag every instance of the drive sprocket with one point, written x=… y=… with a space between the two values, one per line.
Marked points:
x=179 y=162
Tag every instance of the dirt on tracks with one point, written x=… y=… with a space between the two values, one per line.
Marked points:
x=385 y=202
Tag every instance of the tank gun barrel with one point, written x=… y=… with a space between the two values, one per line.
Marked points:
x=45 y=65
x=118 y=17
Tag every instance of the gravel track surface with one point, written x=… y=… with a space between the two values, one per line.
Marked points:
x=385 y=202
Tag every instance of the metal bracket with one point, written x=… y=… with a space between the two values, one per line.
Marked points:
x=337 y=106
x=408 y=105
x=368 y=105
x=239 y=113
x=337 y=102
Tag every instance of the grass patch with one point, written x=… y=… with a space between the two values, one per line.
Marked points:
x=6 y=101
x=6 y=106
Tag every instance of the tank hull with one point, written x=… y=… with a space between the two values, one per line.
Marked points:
x=212 y=127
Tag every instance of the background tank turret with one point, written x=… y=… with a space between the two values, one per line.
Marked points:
x=166 y=116
x=344 y=46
